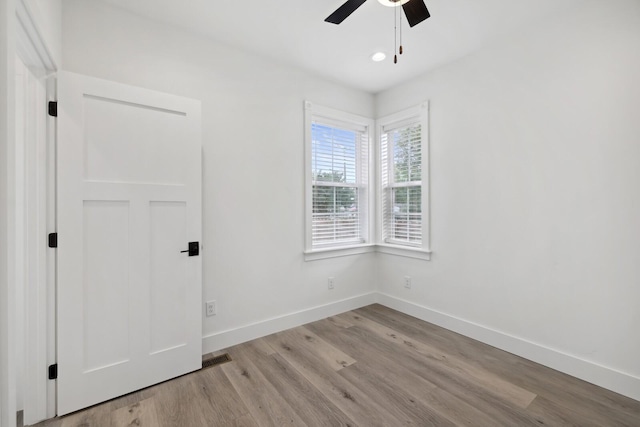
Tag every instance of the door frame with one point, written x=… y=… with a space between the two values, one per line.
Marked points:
x=39 y=297
x=7 y=288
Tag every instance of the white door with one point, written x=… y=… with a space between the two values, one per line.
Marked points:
x=129 y=202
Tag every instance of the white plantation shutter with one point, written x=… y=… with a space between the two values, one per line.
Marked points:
x=401 y=169
x=339 y=168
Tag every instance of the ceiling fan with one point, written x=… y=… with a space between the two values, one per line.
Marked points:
x=415 y=10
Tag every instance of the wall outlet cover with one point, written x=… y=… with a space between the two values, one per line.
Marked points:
x=210 y=308
x=407 y=282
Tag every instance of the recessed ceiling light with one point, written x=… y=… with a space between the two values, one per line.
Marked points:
x=378 y=56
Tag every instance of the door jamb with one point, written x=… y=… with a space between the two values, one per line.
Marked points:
x=39 y=402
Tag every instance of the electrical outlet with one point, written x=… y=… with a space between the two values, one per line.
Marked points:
x=211 y=308
x=331 y=282
x=407 y=282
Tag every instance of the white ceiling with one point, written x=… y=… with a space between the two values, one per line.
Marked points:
x=294 y=32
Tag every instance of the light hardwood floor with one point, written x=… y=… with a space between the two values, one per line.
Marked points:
x=368 y=367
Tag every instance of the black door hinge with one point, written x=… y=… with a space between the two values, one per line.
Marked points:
x=53 y=371
x=53 y=108
x=53 y=240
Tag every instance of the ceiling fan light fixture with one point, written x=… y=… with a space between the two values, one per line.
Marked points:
x=415 y=10
x=378 y=56
x=392 y=3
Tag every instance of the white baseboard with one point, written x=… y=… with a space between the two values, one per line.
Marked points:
x=231 y=337
x=619 y=382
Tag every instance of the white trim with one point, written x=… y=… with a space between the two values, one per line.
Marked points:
x=308 y=178
x=402 y=117
x=231 y=337
x=339 y=117
x=603 y=376
x=405 y=251
x=335 y=252
x=35 y=281
x=7 y=216
x=18 y=237
x=426 y=176
x=50 y=332
x=39 y=296
x=30 y=44
x=384 y=248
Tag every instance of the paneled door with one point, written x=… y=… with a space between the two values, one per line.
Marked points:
x=129 y=203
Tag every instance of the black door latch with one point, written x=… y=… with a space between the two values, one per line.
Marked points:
x=194 y=249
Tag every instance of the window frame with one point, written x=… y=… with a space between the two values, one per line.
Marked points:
x=333 y=117
x=420 y=115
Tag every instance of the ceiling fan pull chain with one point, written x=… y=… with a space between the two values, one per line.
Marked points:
x=395 y=35
x=400 y=51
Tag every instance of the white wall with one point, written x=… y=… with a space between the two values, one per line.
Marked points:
x=253 y=142
x=535 y=180
x=535 y=184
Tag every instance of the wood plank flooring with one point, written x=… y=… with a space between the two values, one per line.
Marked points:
x=368 y=367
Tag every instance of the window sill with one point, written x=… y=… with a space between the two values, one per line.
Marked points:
x=404 y=251
x=317 y=254
x=385 y=248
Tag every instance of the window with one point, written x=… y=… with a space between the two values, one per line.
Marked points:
x=338 y=188
x=401 y=160
x=403 y=194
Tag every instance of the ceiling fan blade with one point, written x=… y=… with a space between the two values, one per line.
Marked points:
x=343 y=11
x=416 y=11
